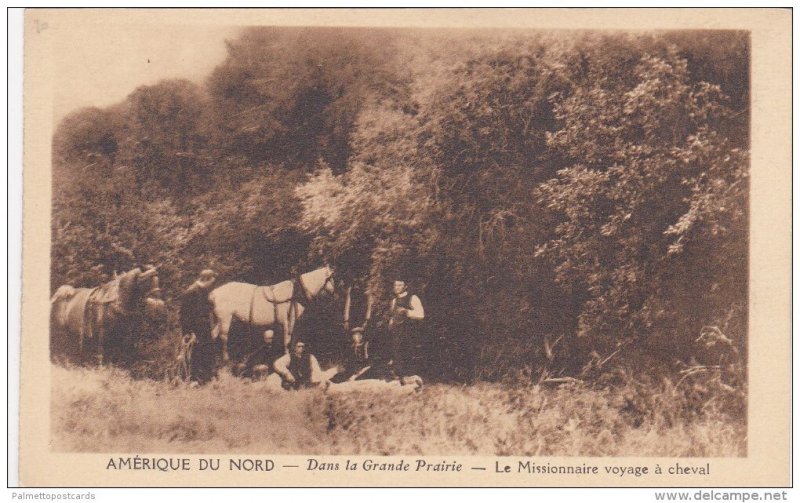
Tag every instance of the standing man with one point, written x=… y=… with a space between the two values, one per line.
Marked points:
x=405 y=326
x=196 y=322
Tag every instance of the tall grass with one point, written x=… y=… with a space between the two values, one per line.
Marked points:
x=104 y=410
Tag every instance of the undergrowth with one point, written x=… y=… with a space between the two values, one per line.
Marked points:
x=104 y=410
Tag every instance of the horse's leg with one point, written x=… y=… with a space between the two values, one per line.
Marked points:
x=100 y=339
x=221 y=329
x=78 y=354
x=288 y=330
x=106 y=324
x=90 y=331
x=83 y=333
x=293 y=313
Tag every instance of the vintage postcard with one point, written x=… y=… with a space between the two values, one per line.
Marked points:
x=412 y=247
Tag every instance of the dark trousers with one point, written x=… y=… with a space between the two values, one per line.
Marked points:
x=204 y=361
x=404 y=347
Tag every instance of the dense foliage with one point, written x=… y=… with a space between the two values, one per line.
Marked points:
x=564 y=203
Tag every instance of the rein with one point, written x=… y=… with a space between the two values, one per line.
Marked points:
x=300 y=295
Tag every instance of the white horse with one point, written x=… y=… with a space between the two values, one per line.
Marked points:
x=267 y=306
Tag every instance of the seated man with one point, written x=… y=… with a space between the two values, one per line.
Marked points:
x=358 y=363
x=299 y=369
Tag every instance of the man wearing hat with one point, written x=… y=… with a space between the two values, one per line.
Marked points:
x=196 y=322
x=405 y=326
x=358 y=363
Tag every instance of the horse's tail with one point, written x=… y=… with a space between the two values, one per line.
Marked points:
x=64 y=292
x=59 y=344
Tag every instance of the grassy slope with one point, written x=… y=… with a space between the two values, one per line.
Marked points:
x=105 y=411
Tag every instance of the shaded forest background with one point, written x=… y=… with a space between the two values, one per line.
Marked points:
x=567 y=203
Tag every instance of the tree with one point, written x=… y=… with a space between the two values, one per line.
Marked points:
x=292 y=96
x=84 y=137
x=485 y=132
x=165 y=140
x=652 y=198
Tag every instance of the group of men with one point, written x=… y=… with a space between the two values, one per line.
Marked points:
x=299 y=368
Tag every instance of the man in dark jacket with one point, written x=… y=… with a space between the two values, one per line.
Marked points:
x=196 y=322
x=358 y=363
x=299 y=369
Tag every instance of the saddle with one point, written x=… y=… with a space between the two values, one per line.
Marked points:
x=106 y=294
x=299 y=296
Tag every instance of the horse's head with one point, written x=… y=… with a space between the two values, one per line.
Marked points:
x=152 y=305
x=318 y=281
x=147 y=283
x=139 y=291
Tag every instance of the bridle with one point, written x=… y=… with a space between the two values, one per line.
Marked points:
x=299 y=296
x=154 y=291
x=329 y=280
x=305 y=297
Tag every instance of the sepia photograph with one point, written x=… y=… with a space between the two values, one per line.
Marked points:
x=398 y=248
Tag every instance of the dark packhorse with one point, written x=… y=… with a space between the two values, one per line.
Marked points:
x=104 y=323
